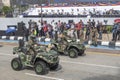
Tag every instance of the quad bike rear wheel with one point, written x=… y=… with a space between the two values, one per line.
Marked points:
x=73 y=53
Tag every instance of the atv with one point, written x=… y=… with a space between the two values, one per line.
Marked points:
x=70 y=48
x=38 y=59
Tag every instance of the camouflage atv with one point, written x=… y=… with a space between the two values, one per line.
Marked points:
x=41 y=61
x=70 y=48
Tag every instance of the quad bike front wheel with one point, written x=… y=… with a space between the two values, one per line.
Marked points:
x=41 y=68
x=73 y=53
x=16 y=64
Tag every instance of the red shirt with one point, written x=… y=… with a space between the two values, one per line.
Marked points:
x=45 y=28
x=78 y=26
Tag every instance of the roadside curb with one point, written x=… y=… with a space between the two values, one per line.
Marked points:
x=102 y=43
x=105 y=43
x=21 y=37
x=11 y=37
x=102 y=51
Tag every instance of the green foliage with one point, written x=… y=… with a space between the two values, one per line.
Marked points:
x=6 y=9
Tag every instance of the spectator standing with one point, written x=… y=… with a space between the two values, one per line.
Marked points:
x=37 y=29
x=30 y=24
x=50 y=31
x=93 y=23
x=55 y=31
x=99 y=30
x=40 y=27
x=78 y=27
x=27 y=33
x=71 y=30
x=53 y=28
x=59 y=26
x=87 y=31
x=34 y=32
x=90 y=23
x=45 y=28
x=62 y=27
x=114 y=31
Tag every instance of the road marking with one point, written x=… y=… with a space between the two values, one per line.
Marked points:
x=46 y=77
x=109 y=54
x=95 y=65
x=4 y=54
x=80 y=63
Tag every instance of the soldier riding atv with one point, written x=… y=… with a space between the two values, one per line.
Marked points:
x=34 y=56
x=72 y=48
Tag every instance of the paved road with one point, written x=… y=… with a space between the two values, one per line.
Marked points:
x=93 y=66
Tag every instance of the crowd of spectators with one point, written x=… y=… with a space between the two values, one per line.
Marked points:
x=84 y=32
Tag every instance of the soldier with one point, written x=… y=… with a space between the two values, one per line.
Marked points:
x=32 y=40
x=50 y=46
x=94 y=36
x=62 y=39
x=81 y=36
x=31 y=44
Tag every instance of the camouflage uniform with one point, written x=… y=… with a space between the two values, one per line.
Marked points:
x=32 y=39
x=94 y=36
x=81 y=36
x=63 y=40
x=31 y=47
x=91 y=34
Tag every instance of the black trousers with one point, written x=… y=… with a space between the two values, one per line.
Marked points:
x=56 y=35
x=118 y=35
x=78 y=34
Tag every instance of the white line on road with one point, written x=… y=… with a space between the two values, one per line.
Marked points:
x=46 y=77
x=4 y=54
x=80 y=63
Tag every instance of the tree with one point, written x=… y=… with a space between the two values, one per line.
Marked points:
x=6 y=9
